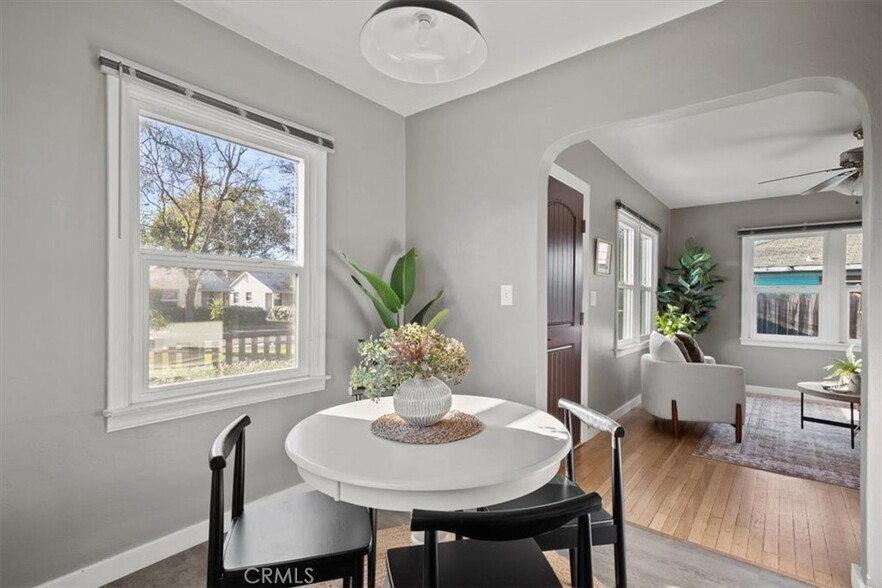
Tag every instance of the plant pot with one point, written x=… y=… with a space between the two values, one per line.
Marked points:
x=422 y=402
x=854 y=384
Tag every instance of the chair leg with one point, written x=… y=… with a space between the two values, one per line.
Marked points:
x=347 y=582
x=358 y=574
x=675 y=419
x=372 y=555
x=739 y=422
x=573 y=556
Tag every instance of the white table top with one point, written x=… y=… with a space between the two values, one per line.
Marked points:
x=519 y=450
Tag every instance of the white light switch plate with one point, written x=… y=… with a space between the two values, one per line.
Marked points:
x=506 y=295
x=593 y=298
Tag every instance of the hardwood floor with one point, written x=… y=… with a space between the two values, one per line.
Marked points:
x=805 y=529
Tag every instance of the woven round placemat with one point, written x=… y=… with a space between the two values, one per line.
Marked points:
x=454 y=426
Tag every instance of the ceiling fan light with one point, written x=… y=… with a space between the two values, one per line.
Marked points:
x=423 y=41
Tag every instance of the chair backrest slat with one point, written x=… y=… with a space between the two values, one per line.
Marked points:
x=226 y=441
x=507 y=525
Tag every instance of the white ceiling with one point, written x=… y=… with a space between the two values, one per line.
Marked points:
x=522 y=36
x=721 y=155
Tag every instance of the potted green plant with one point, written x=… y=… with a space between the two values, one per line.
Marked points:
x=413 y=359
x=673 y=321
x=691 y=285
x=391 y=298
x=847 y=370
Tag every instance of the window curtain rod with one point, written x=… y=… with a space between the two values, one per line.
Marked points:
x=622 y=206
x=847 y=224
x=113 y=64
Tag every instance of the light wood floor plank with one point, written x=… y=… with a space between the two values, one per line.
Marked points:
x=801 y=528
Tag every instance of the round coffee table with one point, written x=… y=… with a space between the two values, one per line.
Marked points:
x=817 y=389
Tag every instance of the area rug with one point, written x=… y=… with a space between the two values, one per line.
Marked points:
x=773 y=441
x=400 y=537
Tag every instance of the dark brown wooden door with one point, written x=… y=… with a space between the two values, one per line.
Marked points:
x=565 y=228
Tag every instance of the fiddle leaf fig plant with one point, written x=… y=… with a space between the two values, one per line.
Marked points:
x=391 y=298
x=691 y=284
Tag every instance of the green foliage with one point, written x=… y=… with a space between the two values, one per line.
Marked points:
x=242 y=317
x=216 y=309
x=410 y=351
x=158 y=320
x=390 y=299
x=672 y=321
x=691 y=285
x=844 y=368
x=284 y=314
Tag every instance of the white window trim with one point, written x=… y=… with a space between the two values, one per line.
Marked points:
x=127 y=266
x=832 y=319
x=636 y=342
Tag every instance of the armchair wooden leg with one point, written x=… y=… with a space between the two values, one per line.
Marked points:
x=739 y=422
x=675 y=420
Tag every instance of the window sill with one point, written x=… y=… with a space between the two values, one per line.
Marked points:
x=146 y=413
x=631 y=349
x=819 y=346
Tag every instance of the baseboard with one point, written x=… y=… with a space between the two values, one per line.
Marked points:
x=784 y=393
x=857 y=579
x=136 y=558
x=616 y=414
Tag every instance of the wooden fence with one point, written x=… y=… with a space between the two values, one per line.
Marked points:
x=236 y=346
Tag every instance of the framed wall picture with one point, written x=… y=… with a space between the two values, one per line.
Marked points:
x=602 y=257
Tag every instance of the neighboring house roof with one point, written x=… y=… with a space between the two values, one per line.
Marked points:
x=212 y=282
x=274 y=281
x=805 y=253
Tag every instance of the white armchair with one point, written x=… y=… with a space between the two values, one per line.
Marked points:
x=703 y=392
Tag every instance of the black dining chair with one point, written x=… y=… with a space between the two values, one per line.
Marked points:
x=297 y=538
x=499 y=551
x=606 y=528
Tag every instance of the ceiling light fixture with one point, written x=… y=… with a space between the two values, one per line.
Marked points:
x=423 y=41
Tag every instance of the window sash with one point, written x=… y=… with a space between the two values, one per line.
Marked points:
x=833 y=292
x=130 y=400
x=637 y=276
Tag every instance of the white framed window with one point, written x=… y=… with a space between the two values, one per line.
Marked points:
x=198 y=198
x=802 y=289
x=636 y=281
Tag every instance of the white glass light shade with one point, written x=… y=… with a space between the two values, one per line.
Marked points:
x=423 y=41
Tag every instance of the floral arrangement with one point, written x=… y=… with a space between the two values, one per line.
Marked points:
x=410 y=351
x=844 y=369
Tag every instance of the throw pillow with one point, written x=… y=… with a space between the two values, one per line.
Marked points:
x=663 y=349
x=696 y=355
x=682 y=349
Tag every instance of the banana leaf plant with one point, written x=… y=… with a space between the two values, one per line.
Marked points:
x=391 y=298
x=690 y=286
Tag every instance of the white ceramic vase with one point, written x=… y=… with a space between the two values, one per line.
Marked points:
x=422 y=402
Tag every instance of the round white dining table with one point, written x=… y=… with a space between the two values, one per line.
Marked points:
x=518 y=451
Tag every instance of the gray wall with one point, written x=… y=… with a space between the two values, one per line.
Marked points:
x=612 y=381
x=716 y=228
x=477 y=167
x=73 y=494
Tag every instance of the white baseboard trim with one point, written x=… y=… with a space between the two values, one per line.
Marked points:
x=616 y=414
x=784 y=392
x=857 y=579
x=136 y=558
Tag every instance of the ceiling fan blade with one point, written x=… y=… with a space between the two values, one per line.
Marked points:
x=822 y=171
x=830 y=183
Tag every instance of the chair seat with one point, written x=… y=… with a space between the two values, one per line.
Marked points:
x=561 y=488
x=293 y=527
x=471 y=563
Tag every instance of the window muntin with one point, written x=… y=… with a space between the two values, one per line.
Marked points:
x=636 y=274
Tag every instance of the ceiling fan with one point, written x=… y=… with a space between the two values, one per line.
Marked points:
x=848 y=181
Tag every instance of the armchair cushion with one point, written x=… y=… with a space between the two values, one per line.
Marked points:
x=663 y=349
